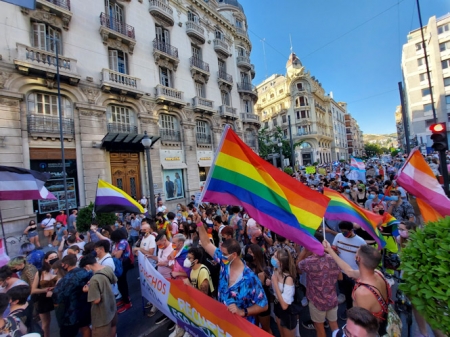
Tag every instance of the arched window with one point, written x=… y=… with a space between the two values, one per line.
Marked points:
x=169 y=128
x=121 y=119
x=193 y=17
x=203 y=133
x=219 y=34
x=303 y=101
x=306 y=145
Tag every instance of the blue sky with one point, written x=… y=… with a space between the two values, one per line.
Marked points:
x=361 y=67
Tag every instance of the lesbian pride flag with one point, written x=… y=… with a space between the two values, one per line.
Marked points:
x=417 y=178
x=271 y=197
x=111 y=199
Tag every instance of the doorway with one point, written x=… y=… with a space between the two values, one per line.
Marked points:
x=125 y=173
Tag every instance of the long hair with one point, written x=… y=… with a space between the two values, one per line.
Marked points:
x=258 y=258
x=287 y=263
x=45 y=265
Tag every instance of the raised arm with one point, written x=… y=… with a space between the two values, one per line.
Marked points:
x=341 y=263
x=203 y=235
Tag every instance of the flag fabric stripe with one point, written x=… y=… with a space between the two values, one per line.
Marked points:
x=428 y=212
x=416 y=177
x=273 y=198
x=343 y=209
x=110 y=199
x=21 y=184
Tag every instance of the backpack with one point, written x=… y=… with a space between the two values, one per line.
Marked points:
x=210 y=293
x=296 y=306
x=14 y=326
x=118 y=267
x=26 y=317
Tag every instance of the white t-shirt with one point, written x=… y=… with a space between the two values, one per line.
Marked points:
x=163 y=254
x=174 y=227
x=48 y=223
x=148 y=242
x=161 y=209
x=287 y=292
x=347 y=248
x=107 y=261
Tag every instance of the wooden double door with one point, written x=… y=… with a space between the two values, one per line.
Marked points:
x=125 y=173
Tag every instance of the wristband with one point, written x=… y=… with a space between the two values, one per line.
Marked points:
x=199 y=224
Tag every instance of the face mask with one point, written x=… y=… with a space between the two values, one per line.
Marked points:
x=53 y=260
x=160 y=246
x=274 y=262
x=187 y=263
x=189 y=222
x=360 y=189
x=381 y=211
x=394 y=197
x=116 y=225
x=58 y=226
x=178 y=207
x=347 y=190
x=248 y=258
x=347 y=234
x=371 y=196
x=226 y=259
x=404 y=233
x=174 y=246
x=355 y=189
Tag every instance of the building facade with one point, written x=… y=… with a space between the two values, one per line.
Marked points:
x=178 y=70
x=355 y=139
x=339 y=145
x=416 y=85
x=401 y=140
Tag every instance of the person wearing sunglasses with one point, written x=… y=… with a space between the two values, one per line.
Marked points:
x=360 y=323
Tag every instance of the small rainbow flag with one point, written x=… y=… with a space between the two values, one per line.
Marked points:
x=389 y=220
x=343 y=209
x=111 y=199
x=273 y=198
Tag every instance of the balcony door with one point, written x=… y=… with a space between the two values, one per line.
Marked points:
x=125 y=173
x=115 y=14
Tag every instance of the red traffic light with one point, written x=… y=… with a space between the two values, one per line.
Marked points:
x=438 y=128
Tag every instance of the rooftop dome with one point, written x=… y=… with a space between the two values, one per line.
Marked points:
x=234 y=3
x=293 y=60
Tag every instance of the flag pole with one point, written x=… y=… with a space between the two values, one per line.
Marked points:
x=323 y=228
x=94 y=215
x=3 y=232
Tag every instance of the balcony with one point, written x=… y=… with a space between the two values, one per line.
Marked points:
x=245 y=88
x=244 y=62
x=195 y=31
x=224 y=79
x=228 y=112
x=305 y=133
x=169 y=96
x=165 y=52
x=41 y=62
x=252 y=71
x=199 y=68
x=122 y=83
x=48 y=126
x=118 y=30
x=60 y=8
x=203 y=138
x=203 y=105
x=170 y=135
x=250 y=118
x=121 y=128
x=221 y=47
x=161 y=11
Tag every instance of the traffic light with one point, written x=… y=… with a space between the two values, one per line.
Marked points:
x=439 y=137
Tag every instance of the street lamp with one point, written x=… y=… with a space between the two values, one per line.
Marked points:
x=147 y=143
x=280 y=145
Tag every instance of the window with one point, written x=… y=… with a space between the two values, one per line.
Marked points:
x=165 y=77
x=122 y=117
x=418 y=46
x=274 y=122
x=225 y=98
x=284 y=118
x=196 y=52
x=222 y=65
x=304 y=114
x=285 y=133
x=299 y=86
x=115 y=12
x=447 y=82
x=168 y=122
x=446 y=64
x=444 y=28
x=245 y=78
x=45 y=104
x=238 y=23
x=163 y=37
x=219 y=34
x=241 y=51
x=425 y=92
x=424 y=77
x=248 y=106
x=297 y=114
x=421 y=61
x=427 y=107
x=202 y=130
x=193 y=17
x=447 y=99
x=444 y=46
x=200 y=89
x=303 y=101
x=118 y=61
x=272 y=95
x=266 y=125
x=46 y=37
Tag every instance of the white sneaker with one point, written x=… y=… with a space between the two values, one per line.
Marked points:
x=341 y=298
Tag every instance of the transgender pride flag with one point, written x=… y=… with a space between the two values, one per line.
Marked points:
x=359 y=167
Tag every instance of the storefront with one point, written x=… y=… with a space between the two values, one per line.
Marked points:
x=173 y=174
x=204 y=160
x=49 y=161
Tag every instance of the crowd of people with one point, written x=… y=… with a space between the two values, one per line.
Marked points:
x=225 y=254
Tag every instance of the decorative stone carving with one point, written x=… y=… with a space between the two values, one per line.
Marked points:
x=92 y=113
x=50 y=83
x=4 y=76
x=199 y=77
x=65 y=21
x=9 y=102
x=47 y=17
x=150 y=107
x=91 y=93
x=190 y=116
x=216 y=120
x=121 y=98
x=163 y=62
x=153 y=121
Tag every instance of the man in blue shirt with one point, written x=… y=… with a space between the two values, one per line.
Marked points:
x=135 y=227
x=239 y=287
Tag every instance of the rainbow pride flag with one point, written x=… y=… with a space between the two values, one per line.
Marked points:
x=340 y=208
x=389 y=220
x=277 y=201
x=111 y=199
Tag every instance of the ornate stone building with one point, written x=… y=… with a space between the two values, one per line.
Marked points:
x=179 y=70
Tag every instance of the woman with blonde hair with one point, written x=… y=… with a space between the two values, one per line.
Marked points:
x=26 y=271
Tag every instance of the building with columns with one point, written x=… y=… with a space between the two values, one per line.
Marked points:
x=316 y=119
x=178 y=70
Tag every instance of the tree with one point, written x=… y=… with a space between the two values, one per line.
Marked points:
x=84 y=218
x=372 y=149
x=268 y=143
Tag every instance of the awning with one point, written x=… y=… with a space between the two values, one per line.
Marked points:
x=205 y=163
x=125 y=142
x=173 y=165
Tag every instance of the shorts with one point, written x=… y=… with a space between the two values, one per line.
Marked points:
x=287 y=320
x=32 y=234
x=318 y=316
x=48 y=232
x=104 y=330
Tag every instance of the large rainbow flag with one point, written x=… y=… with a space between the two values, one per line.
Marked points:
x=277 y=201
x=111 y=199
x=417 y=178
x=340 y=208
